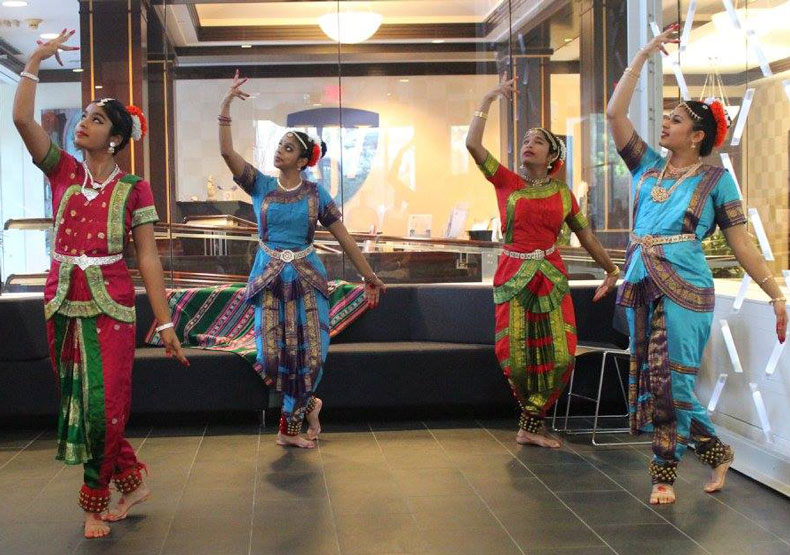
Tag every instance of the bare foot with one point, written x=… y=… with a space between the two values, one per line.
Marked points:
x=95 y=526
x=294 y=441
x=314 y=426
x=541 y=440
x=126 y=502
x=662 y=494
x=717 y=476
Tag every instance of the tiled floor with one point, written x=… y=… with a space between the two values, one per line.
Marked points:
x=434 y=487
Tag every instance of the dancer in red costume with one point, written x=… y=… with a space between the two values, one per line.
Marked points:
x=535 y=322
x=89 y=296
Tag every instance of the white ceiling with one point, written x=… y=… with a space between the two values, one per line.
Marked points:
x=712 y=37
x=307 y=13
x=54 y=16
x=717 y=43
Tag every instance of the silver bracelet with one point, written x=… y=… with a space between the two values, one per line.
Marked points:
x=163 y=327
x=30 y=76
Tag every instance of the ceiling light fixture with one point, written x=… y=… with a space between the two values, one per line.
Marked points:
x=77 y=70
x=437 y=41
x=350 y=27
x=246 y=46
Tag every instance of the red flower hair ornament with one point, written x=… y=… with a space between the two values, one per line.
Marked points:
x=139 y=123
x=722 y=120
x=315 y=155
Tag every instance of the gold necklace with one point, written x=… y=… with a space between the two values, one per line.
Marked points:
x=660 y=194
x=535 y=182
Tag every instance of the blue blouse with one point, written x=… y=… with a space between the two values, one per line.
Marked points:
x=287 y=221
x=707 y=199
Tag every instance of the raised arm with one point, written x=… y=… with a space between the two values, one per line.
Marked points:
x=232 y=158
x=620 y=126
x=474 y=137
x=35 y=138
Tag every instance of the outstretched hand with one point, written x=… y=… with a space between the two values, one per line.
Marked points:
x=235 y=88
x=374 y=287
x=670 y=36
x=780 y=311
x=173 y=346
x=608 y=285
x=506 y=88
x=47 y=49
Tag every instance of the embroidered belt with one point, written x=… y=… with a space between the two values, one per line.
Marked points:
x=537 y=254
x=84 y=261
x=286 y=255
x=648 y=241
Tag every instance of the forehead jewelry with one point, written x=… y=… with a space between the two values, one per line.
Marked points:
x=692 y=114
x=298 y=138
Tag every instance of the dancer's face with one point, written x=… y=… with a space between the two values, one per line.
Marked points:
x=535 y=149
x=93 y=130
x=677 y=131
x=289 y=153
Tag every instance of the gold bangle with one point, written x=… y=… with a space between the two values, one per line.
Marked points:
x=479 y=114
x=777 y=300
x=614 y=273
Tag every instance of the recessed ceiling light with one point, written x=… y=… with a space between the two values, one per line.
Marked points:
x=246 y=46
x=437 y=41
x=97 y=87
x=77 y=70
x=14 y=4
x=49 y=36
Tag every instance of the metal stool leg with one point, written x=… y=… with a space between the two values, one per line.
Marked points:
x=568 y=403
x=613 y=430
x=598 y=398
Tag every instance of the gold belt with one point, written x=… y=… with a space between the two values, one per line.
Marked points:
x=653 y=240
x=286 y=255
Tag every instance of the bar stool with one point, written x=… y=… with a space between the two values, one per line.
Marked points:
x=607 y=351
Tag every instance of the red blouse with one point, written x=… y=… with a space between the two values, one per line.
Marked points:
x=532 y=218
x=96 y=228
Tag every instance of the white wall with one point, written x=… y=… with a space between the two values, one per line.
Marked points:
x=764 y=457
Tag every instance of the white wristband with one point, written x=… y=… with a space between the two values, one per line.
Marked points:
x=30 y=76
x=163 y=327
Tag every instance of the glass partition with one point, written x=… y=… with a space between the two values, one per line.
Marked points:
x=739 y=52
x=393 y=104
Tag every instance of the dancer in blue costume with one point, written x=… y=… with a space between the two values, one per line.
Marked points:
x=288 y=283
x=668 y=286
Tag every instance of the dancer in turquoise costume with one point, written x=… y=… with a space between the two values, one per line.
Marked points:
x=668 y=286
x=288 y=284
